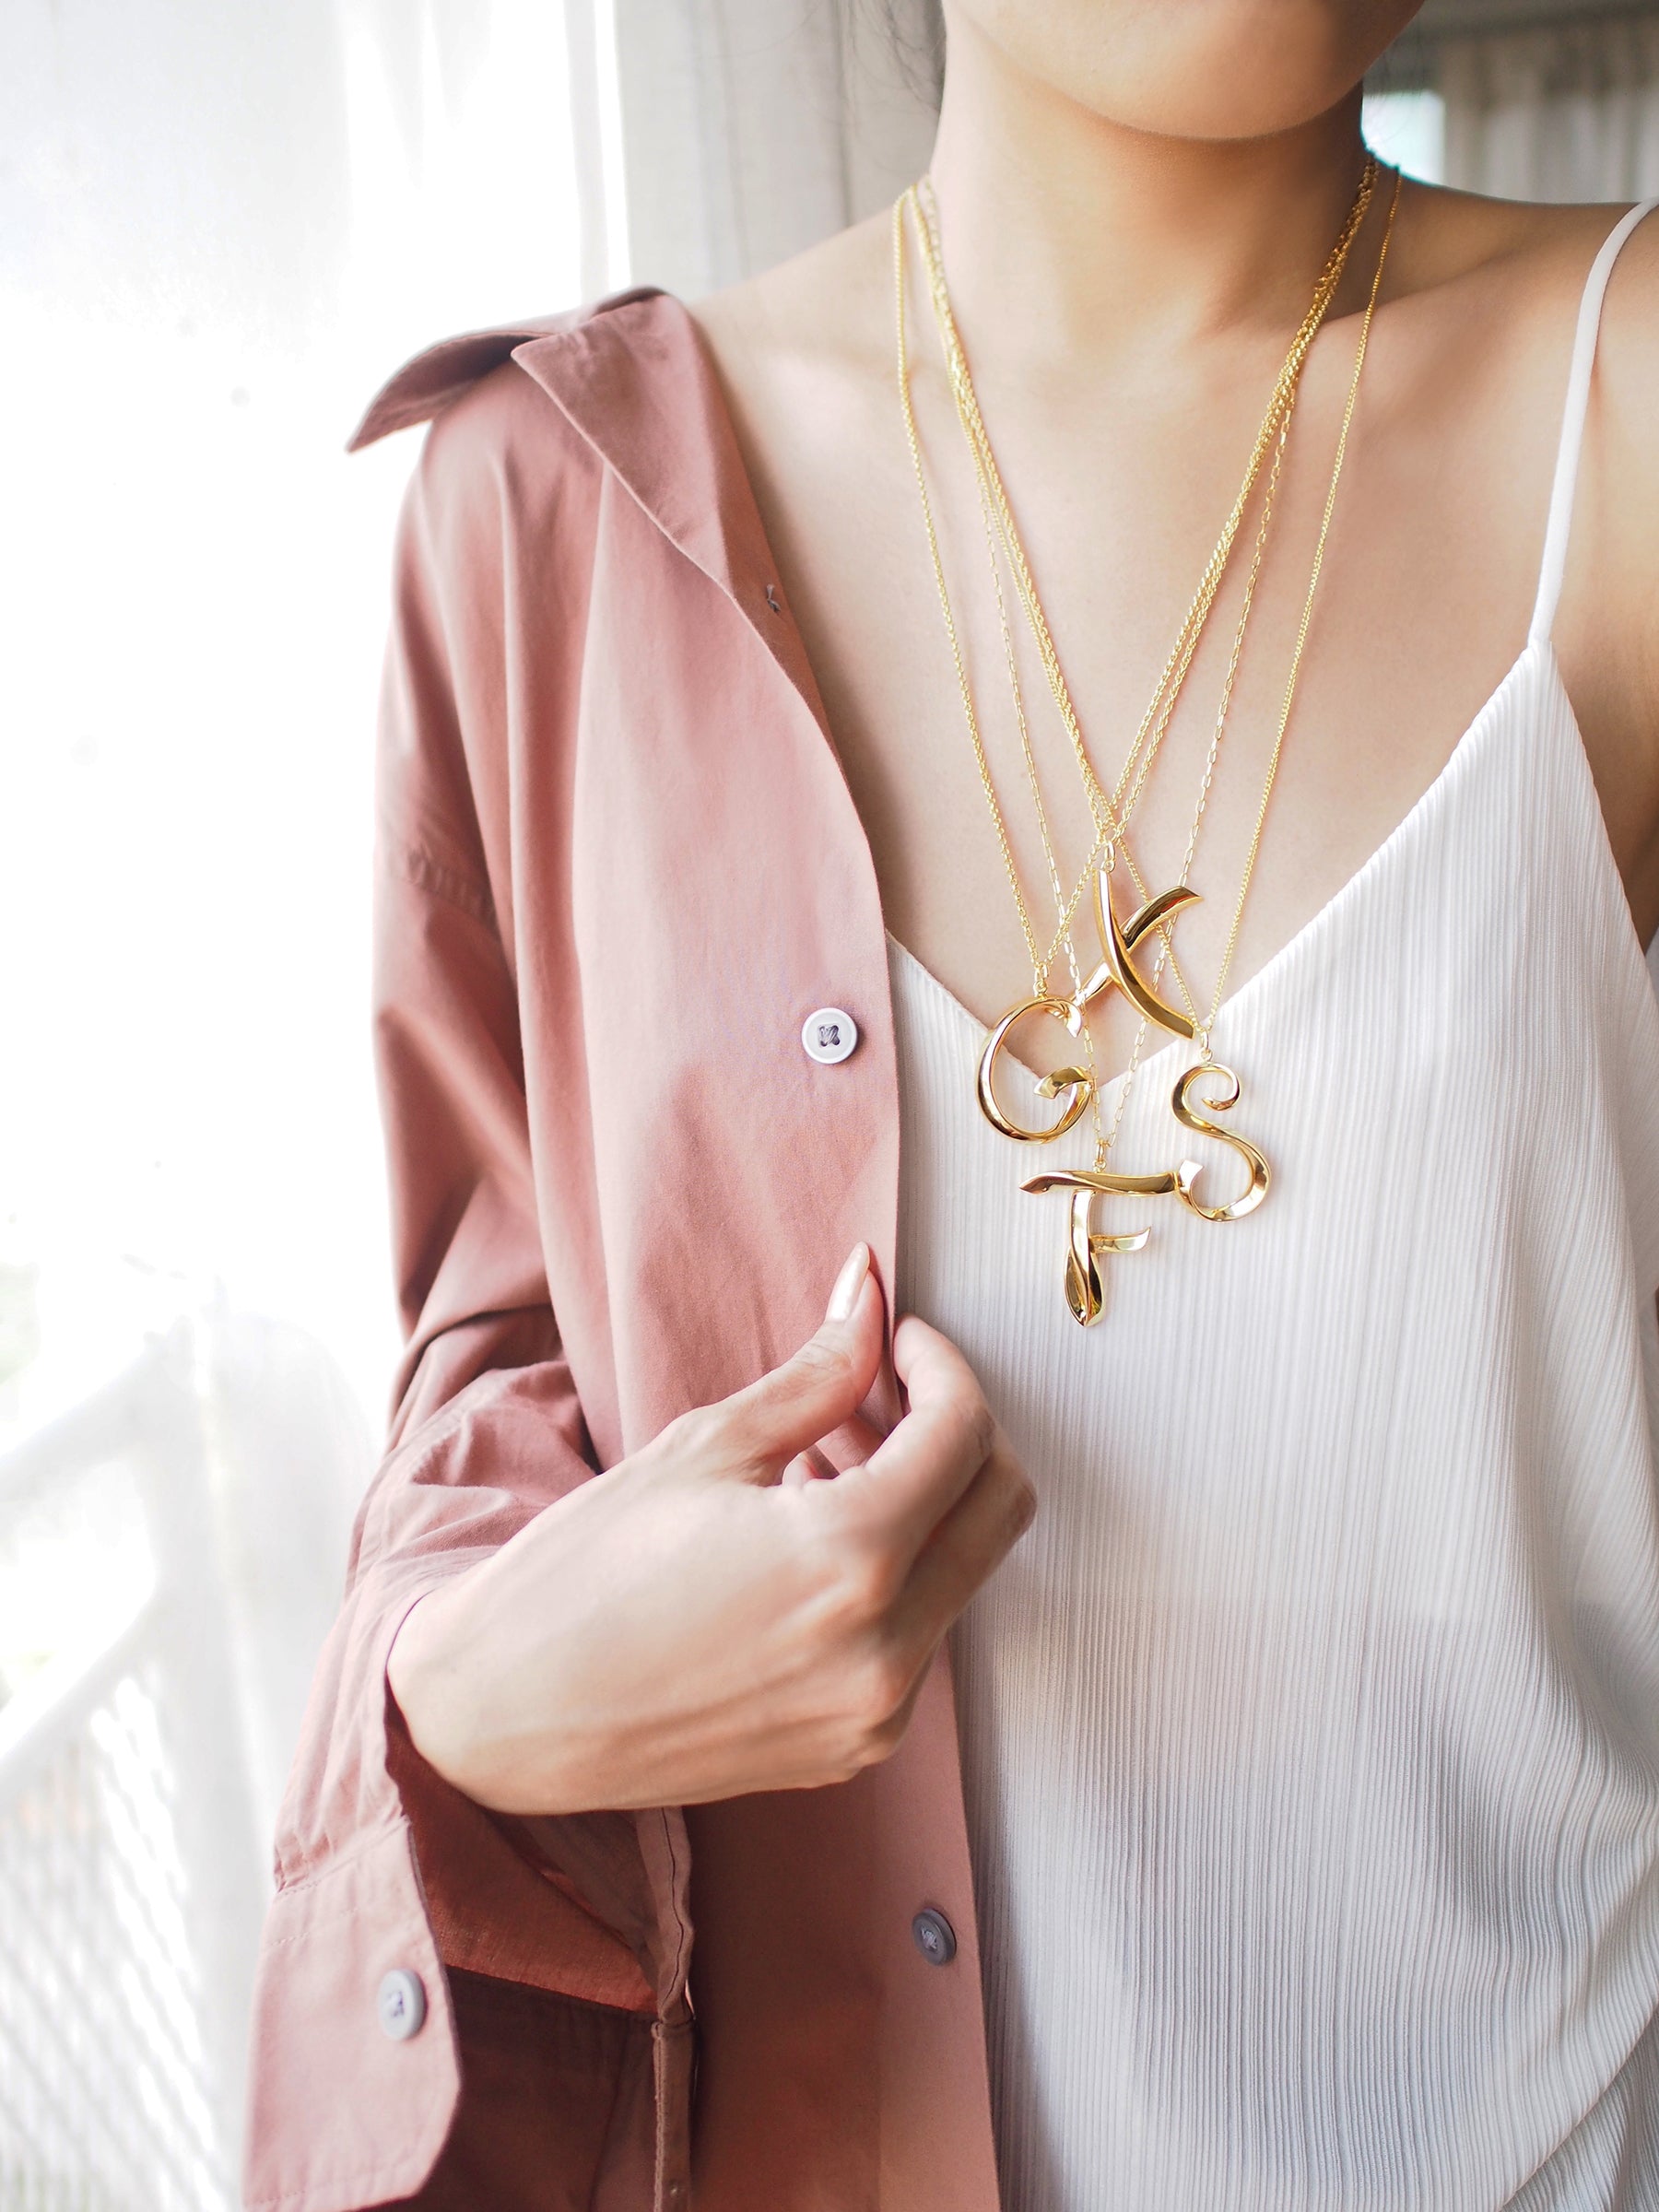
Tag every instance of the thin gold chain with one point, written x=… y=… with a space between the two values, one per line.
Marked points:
x=1162 y=706
x=1066 y=908
x=1061 y=941
x=1204 y=1028
x=973 y=423
x=1041 y=960
x=1105 y=1139
x=1103 y=1144
x=1111 y=815
x=969 y=711
x=1301 y=634
x=1274 y=431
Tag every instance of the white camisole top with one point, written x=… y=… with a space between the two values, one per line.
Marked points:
x=1310 y=1735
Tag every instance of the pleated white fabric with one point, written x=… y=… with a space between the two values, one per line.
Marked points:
x=1311 y=1735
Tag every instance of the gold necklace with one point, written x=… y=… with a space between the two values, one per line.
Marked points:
x=1084 y=1291
x=1110 y=814
x=1083 y=1288
x=1064 y=909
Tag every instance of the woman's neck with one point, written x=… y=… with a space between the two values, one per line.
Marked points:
x=1069 y=239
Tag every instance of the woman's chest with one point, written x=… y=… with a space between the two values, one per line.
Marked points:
x=953 y=736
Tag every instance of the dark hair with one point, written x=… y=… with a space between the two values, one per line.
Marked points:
x=914 y=31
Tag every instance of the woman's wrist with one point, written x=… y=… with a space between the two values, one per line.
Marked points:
x=428 y=1684
x=446 y=1663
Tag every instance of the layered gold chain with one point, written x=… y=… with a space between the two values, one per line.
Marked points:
x=1111 y=813
x=1303 y=626
x=997 y=520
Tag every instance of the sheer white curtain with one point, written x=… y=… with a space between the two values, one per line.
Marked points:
x=752 y=128
x=1537 y=100
x=219 y=227
x=1565 y=111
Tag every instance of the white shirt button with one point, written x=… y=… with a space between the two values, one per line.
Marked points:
x=829 y=1035
x=401 y=2004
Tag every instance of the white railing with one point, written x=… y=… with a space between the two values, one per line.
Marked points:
x=130 y=1883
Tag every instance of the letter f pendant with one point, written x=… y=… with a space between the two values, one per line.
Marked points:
x=1085 y=1292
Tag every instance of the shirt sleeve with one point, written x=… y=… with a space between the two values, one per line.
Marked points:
x=384 y=1873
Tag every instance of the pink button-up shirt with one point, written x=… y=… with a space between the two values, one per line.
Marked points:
x=618 y=865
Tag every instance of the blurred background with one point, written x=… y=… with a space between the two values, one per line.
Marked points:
x=219 y=229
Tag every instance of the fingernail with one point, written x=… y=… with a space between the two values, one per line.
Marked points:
x=848 y=1283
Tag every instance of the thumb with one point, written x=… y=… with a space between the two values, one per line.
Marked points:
x=821 y=1386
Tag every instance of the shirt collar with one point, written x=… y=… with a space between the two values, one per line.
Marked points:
x=638 y=384
x=633 y=376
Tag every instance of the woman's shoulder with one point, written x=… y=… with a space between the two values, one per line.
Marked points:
x=1505 y=279
x=1522 y=272
x=807 y=327
x=1532 y=259
x=1528 y=259
x=1541 y=258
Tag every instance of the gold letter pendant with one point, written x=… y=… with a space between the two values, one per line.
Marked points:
x=1073 y=1086
x=1186 y=1175
x=1085 y=1289
x=1084 y=1293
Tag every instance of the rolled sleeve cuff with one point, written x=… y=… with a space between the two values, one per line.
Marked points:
x=345 y=2113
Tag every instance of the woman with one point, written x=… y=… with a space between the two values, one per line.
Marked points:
x=1280 y=1826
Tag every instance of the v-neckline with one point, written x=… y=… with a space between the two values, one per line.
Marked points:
x=1455 y=765
x=1536 y=647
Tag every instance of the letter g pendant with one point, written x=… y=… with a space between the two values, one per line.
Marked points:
x=1071 y=1085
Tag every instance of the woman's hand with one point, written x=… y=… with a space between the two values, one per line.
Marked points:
x=705 y=1619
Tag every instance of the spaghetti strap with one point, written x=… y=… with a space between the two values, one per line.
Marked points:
x=1554 y=565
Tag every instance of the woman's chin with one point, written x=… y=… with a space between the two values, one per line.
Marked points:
x=1202 y=69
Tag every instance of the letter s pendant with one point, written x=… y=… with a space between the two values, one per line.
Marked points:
x=1187 y=1174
